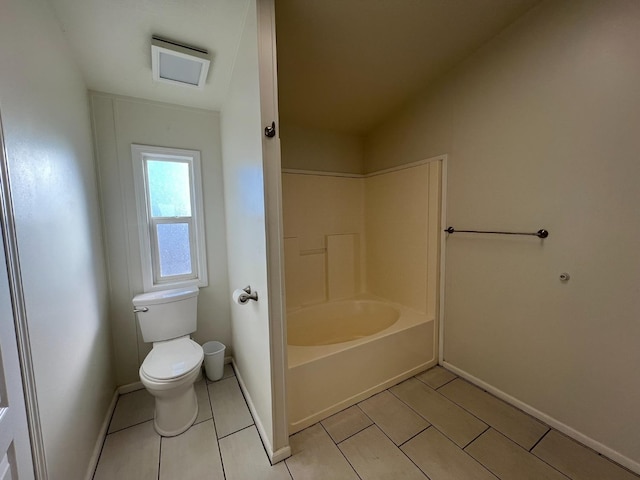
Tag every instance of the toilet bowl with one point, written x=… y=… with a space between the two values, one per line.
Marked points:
x=168 y=373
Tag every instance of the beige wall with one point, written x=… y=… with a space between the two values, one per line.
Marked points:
x=119 y=122
x=541 y=129
x=48 y=140
x=321 y=150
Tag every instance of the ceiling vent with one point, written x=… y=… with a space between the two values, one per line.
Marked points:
x=178 y=64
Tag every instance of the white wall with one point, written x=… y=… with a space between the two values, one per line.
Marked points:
x=245 y=217
x=321 y=150
x=119 y=122
x=541 y=128
x=48 y=139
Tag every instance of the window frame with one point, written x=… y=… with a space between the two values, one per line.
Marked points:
x=147 y=225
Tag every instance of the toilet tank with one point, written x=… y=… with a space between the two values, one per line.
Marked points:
x=167 y=314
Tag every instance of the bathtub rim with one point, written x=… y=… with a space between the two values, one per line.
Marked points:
x=300 y=355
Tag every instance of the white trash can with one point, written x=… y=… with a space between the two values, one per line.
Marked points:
x=214 y=360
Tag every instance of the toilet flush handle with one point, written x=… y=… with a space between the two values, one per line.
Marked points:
x=140 y=310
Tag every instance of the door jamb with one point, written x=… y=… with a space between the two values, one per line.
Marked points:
x=10 y=241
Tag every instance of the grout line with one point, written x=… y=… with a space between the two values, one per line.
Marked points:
x=414 y=436
x=130 y=426
x=340 y=450
x=453 y=401
x=287 y=467
x=434 y=426
x=591 y=450
x=476 y=437
x=397 y=447
x=445 y=383
x=527 y=453
x=215 y=431
x=160 y=456
x=354 y=433
x=539 y=440
x=239 y=430
x=382 y=430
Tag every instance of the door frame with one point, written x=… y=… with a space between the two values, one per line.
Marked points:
x=18 y=305
x=268 y=74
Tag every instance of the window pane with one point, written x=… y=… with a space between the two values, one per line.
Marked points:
x=169 y=192
x=173 y=249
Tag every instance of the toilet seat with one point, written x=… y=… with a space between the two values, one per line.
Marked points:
x=171 y=360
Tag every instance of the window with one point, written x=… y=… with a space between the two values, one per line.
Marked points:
x=170 y=216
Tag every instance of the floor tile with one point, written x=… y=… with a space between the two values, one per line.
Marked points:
x=131 y=409
x=578 y=461
x=226 y=373
x=394 y=418
x=230 y=410
x=375 y=457
x=204 y=406
x=441 y=459
x=509 y=461
x=436 y=377
x=130 y=454
x=457 y=424
x=316 y=457
x=515 y=424
x=244 y=458
x=346 y=423
x=194 y=455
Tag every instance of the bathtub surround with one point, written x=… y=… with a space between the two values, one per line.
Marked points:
x=346 y=235
x=46 y=119
x=119 y=122
x=539 y=127
x=354 y=242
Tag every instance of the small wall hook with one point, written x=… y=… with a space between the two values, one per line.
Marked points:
x=270 y=130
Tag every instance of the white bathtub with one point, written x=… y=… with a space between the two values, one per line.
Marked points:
x=342 y=352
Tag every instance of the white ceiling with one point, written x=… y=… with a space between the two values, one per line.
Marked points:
x=346 y=64
x=111 y=40
x=342 y=64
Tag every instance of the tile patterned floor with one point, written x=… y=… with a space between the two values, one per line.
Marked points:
x=433 y=426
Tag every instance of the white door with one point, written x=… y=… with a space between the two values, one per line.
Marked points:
x=251 y=163
x=15 y=450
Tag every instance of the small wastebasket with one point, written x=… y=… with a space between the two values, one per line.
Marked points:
x=214 y=360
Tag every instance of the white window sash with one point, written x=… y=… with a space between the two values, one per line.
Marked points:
x=155 y=252
x=149 y=255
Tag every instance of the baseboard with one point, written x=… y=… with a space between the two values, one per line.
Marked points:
x=549 y=420
x=130 y=387
x=97 y=449
x=274 y=457
x=281 y=454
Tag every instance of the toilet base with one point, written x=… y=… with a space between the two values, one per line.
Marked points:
x=176 y=403
x=174 y=415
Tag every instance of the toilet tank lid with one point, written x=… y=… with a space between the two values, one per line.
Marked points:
x=164 y=296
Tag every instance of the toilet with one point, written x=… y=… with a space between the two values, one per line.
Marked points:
x=167 y=318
